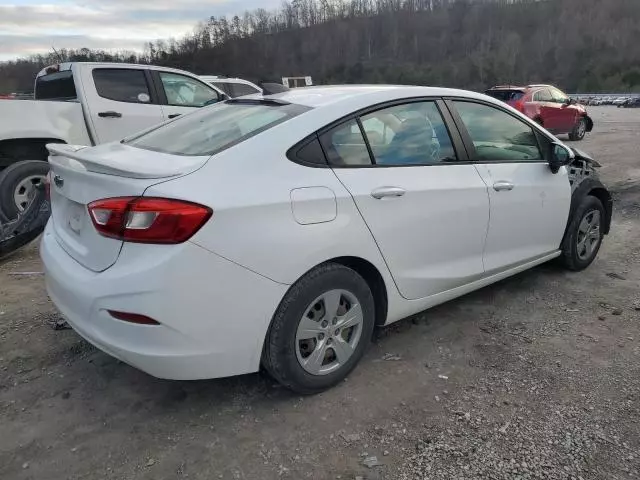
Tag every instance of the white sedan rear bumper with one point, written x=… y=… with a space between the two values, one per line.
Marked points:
x=213 y=314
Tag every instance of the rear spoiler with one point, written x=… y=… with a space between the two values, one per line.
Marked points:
x=74 y=157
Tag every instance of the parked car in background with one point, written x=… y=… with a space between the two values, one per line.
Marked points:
x=199 y=248
x=548 y=106
x=619 y=101
x=87 y=104
x=631 y=103
x=234 y=87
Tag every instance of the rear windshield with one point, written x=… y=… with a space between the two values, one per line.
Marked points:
x=56 y=86
x=216 y=128
x=505 y=95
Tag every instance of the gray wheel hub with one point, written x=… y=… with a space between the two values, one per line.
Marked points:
x=588 y=234
x=329 y=332
x=23 y=193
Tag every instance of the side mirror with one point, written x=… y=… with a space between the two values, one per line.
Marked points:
x=560 y=156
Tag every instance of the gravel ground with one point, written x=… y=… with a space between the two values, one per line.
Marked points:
x=534 y=377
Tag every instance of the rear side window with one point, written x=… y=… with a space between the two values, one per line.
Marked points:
x=56 y=86
x=505 y=95
x=122 y=85
x=216 y=128
x=310 y=153
x=409 y=134
x=345 y=146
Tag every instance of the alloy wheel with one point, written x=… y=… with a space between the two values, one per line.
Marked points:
x=588 y=234
x=329 y=332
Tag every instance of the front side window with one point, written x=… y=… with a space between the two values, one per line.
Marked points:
x=215 y=128
x=496 y=135
x=345 y=146
x=184 y=91
x=409 y=134
x=122 y=85
x=543 y=96
x=558 y=96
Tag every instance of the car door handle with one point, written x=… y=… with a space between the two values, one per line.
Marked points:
x=174 y=115
x=382 y=192
x=110 y=114
x=502 y=186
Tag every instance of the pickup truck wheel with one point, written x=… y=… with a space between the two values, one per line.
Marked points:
x=17 y=184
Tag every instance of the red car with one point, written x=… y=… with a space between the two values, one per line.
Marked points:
x=548 y=106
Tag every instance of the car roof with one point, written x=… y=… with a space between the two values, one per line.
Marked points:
x=507 y=87
x=356 y=94
x=69 y=65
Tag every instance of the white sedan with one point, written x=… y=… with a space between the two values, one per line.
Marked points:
x=279 y=230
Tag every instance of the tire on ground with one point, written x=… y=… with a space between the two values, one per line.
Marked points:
x=570 y=257
x=579 y=130
x=12 y=176
x=279 y=354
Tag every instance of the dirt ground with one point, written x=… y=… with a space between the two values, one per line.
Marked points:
x=535 y=377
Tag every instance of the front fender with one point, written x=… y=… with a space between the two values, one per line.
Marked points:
x=589 y=123
x=594 y=187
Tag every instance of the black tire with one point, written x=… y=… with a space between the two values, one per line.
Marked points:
x=280 y=356
x=579 y=130
x=571 y=256
x=11 y=178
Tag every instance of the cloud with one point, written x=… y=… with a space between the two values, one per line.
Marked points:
x=34 y=27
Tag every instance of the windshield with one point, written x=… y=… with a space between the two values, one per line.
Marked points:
x=216 y=128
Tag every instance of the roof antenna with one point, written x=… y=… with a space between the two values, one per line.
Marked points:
x=57 y=54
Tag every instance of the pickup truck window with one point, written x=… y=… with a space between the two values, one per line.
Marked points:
x=122 y=85
x=56 y=86
x=215 y=128
x=240 y=89
x=183 y=91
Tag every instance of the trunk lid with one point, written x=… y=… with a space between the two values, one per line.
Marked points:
x=81 y=175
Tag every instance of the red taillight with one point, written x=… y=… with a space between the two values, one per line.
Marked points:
x=519 y=105
x=148 y=219
x=133 y=318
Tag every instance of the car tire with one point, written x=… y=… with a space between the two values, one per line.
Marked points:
x=303 y=349
x=584 y=235
x=15 y=181
x=579 y=130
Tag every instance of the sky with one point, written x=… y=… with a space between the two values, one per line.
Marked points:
x=35 y=26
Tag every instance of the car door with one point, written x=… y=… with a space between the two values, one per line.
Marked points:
x=565 y=111
x=548 y=114
x=182 y=94
x=122 y=102
x=427 y=211
x=529 y=203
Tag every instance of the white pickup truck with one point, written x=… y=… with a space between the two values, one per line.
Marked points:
x=87 y=104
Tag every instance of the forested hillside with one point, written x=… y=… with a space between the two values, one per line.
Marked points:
x=580 y=45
